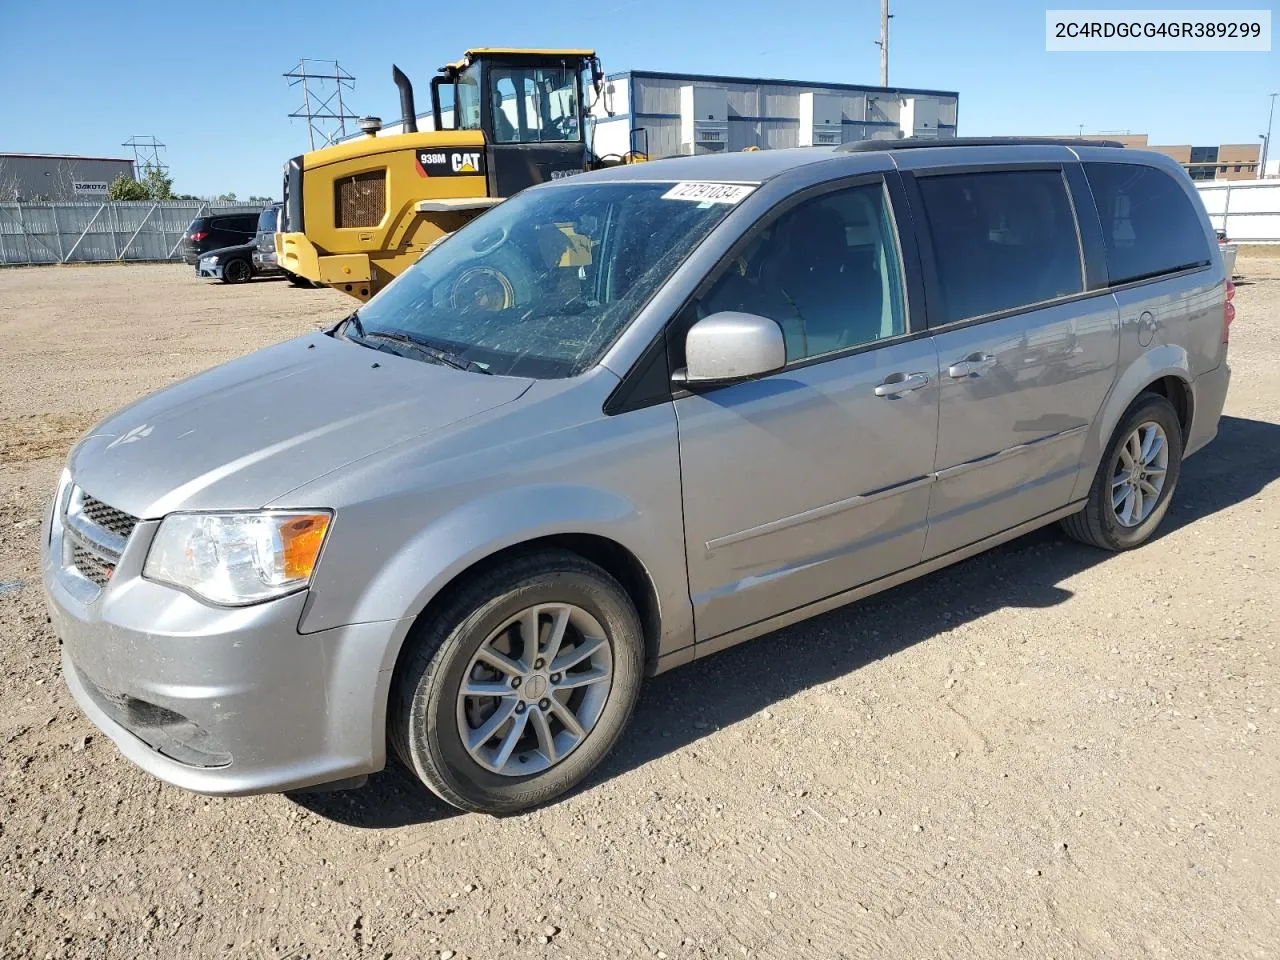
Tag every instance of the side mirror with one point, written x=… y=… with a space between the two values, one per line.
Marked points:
x=730 y=346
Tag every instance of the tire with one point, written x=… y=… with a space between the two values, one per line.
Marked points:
x=236 y=271
x=429 y=717
x=1100 y=524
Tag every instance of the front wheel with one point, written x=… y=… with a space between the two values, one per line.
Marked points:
x=1135 y=480
x=236 y=271
x=520 y=685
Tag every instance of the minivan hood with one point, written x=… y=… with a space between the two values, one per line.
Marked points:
x=244 y=434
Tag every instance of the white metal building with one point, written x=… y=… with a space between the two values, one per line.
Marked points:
x=672 y=114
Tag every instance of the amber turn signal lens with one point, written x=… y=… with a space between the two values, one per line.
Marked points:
x=301 y=538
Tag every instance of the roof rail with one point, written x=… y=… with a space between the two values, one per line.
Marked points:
x=915 y=143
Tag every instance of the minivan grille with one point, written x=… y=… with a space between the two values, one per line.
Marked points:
x=360 y=200
x=108 y=517
x=94 y=536
x=92 y=567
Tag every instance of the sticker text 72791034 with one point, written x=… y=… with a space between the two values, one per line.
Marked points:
x=702 y=192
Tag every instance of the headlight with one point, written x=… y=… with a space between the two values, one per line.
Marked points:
x=237 y=558
x=212 y=260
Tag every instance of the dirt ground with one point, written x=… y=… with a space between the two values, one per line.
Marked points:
x=1045 y=751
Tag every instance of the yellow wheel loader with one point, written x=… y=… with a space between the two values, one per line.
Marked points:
x=357 y=213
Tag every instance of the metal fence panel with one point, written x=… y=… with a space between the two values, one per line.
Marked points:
x=1249 y=210
x=35 y=233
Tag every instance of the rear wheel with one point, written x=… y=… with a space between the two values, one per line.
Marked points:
x=1135 y=480
x=236 y=271
x=520 y=685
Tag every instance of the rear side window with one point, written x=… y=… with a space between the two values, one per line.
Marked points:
x=247 y=222
x=1149 y=225
x=1001 y=240
x=267 y=221
x=360 y=200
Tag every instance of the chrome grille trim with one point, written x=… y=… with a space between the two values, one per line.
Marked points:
x=97 y=539
x=95 y=535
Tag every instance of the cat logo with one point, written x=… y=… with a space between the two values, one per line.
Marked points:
x=450 y=163
x=466 y=162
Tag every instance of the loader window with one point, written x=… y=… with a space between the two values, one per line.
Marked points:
x=466 y=104
x=535 y=104
x=505 y=112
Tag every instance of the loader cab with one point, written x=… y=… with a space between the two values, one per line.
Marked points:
x=531 y=105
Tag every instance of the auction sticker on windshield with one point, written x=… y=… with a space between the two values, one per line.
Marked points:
x=700 y=192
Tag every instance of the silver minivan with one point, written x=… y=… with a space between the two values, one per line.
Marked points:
x=619 y=422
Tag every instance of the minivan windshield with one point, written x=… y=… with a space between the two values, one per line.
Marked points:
x=540 y=285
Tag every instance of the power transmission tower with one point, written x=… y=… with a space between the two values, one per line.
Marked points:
x=322 y=104
x=146 y=155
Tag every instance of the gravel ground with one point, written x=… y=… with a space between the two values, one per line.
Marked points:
x=1045 y=751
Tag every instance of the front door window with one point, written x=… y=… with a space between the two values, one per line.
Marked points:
x=828 y=271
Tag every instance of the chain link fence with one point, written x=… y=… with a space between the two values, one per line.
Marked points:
x=36 y=233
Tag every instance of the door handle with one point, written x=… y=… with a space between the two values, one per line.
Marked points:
x=896 y=384
x=974 y=365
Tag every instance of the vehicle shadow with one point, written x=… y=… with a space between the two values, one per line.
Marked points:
x=680 y=707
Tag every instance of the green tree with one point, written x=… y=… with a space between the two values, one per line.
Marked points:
x=127 y=188
x=257 y=199
x=159 y=186
x=230 y=197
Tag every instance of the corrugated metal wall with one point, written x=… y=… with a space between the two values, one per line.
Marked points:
x=51 y=178
x=32 y=233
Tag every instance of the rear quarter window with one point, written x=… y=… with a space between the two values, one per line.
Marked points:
x=1149 y=225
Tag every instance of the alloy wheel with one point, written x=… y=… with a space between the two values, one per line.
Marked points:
x=1138 y=477
x=534 y=689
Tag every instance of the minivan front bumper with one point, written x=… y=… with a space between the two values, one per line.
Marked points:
x=221 y=701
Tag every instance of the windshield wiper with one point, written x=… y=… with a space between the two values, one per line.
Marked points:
x=427 y=350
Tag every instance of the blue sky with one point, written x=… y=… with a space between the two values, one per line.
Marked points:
x=206 y=80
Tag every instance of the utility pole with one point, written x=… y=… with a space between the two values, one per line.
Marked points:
x=884 y=43
x=1266 y=140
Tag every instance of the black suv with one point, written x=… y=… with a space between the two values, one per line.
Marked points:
x=215 y=231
